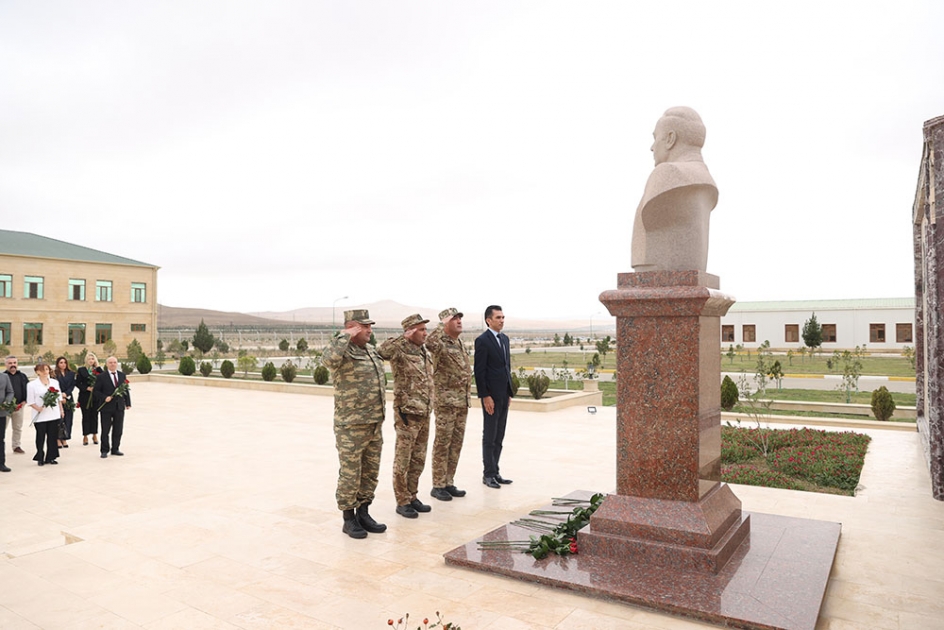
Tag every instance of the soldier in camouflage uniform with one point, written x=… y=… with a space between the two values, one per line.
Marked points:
x=452 y=375
x=412 y=404
x=360 y=383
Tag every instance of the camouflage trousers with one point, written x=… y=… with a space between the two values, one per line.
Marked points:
x=409 y=456
x=359 y=447
x=450 y=431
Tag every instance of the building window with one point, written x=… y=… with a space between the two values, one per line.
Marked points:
x=33 y=287
x=727 y=333
x=748 y=333
x=6 y=333
x=829 y=333
x=76 y=334
x=138 y=292
x=77 y=290
x=103 y=290
x=6 y=285
x=102 y=333
x=138 y=327
x=32 y=334
x=876 y=333
x=791 y=333
x=903 y=333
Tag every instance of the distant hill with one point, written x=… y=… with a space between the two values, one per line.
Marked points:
x=386 y=313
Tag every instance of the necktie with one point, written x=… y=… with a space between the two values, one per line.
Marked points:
x=114 y=377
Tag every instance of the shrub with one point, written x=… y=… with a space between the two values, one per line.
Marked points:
x=283 y=345
x=203 y=340
x=538 y=384
x=321 y=375
x=753 y=476
x=288 y=371
x=269 y=371
x=883 y=406
x=737 y=452
x=144 y=364
x=206 y=368
x=515 y=384
x=134 y=350
x=729 y=393
x=127 y=366
x=227 y=369
x=302 y=345
x=187 y=367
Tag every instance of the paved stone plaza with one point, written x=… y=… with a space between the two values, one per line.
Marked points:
x=222 y=515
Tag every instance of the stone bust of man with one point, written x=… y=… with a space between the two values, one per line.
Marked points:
x=670 y=232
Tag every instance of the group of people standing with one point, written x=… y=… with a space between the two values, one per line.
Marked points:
x=432 y=373
x=50 y=398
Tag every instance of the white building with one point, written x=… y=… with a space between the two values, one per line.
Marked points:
x=878 y=324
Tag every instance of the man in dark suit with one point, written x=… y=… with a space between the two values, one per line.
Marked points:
x=113 y=411
x=493 y=385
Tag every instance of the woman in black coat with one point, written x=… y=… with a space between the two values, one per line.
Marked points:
x=66 y=378
x=85 y=381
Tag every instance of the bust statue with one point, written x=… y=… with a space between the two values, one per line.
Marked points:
x=670 y=232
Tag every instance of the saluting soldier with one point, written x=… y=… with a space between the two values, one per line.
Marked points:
x=359 y=398
x=412 y=403
x=452 y=376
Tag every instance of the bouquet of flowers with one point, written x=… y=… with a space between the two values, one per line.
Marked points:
x=121 y=390
x=9 y=406
x=51 y=397
x=68 y=404
x=93 y=374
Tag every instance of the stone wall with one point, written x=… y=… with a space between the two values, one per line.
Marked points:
x=929 y=300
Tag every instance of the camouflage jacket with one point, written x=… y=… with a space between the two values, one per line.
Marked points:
x=360 y=381
x=412 y=375
x=452 y=369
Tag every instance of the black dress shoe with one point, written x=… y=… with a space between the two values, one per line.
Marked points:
x=52 y=462
x=40 y=463
x=454 y=491
x=4 y=468
x=407 y=511
x=490 y=482
x=104 y=455
x=499 y=479
x=441 y=494
x=419 y=506
x=120 y=454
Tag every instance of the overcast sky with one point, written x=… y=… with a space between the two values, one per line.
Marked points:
x=278 y=155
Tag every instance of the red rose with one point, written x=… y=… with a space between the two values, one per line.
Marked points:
x=127 y=382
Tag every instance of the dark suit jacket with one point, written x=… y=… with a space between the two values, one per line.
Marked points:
x=492 y=370
x=104 y=388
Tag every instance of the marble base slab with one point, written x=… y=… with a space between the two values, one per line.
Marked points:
x=775 y=580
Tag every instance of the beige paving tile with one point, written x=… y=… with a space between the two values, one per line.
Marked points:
x=9 y=620
x=138 y=604
x=190 y=619
x=267 y=616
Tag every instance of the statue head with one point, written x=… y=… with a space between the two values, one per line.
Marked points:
x=679 y=136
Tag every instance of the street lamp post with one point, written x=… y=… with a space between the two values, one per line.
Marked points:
x=335 y=303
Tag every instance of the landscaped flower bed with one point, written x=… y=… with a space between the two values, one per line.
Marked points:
x=796 y=459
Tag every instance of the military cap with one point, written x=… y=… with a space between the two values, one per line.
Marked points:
x=449 y=312
x=413 y=320
x=359 y=315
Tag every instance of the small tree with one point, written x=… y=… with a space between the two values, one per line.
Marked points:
x=321 y=375
x=538 y=384
x=731 y=354
x=515 y=384
x=729 y=394
x=159 y=359
x=160 y=344
x=134 y=350
x=206 y=368
x=557 y=340
x=883 y=405
x=763 y=366
x=49 y=358
x=127 y=366
x=269 y=371
x=288 y=371
x=908 y=352
x=283 y=345
x=202 y=339
x=603 y=347
x=776 y=373
x=222 y=346
x=187 y=367
x=143 y=364
x=227 y=368
x=812 y=334
x=851 y=371
x=301 y=345
x=247 y=362
x=184 y=345
x=568 y=340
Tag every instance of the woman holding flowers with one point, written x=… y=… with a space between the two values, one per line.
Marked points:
x=45 y=399
x=85 y=382
x=66 y=378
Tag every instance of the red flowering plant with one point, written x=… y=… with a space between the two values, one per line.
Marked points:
x=121 y=390
x=403 y=623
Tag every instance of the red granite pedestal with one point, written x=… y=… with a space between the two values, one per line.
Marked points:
x=673 y=536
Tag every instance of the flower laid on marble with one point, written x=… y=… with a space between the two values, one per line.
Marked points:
x=560 y=538
x=403 y=623
x=51 y=397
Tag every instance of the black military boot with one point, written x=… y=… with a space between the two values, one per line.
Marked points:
x=367 y=522
x=351 y=527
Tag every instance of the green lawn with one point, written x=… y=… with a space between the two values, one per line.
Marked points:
x=835 y=396
x=873 y=366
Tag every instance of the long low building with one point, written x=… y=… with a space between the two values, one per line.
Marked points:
x=60 y=297
x=881 y=324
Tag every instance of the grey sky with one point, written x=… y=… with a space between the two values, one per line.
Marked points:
x=278 y=155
